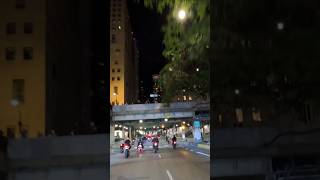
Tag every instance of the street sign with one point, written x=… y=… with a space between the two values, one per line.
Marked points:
x=196 y=124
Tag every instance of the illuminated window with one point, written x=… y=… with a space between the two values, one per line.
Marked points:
x=10 y=53
x=11 y=28
x=27 y=53
x=28 y=28
x=115 y=89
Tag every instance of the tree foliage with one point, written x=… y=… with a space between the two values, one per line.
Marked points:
x=186 y=47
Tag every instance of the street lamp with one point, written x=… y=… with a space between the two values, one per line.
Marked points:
x=140 y=121
x=280 y=26
x=182 y=14
x=166 y=119
x=183 y=122
x=197 y=69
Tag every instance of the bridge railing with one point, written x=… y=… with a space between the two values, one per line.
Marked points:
x=158 y=107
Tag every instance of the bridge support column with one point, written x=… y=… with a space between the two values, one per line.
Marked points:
x=197 y=134
x=130 y=133
x=112 y=139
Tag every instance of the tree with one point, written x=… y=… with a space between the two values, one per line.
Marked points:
x=186 y=47
x=268 y=50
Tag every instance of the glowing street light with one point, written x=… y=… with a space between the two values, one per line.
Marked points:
x=182 y=14
x=176 y=125
x=197 y=69
x=183 y=122
x=140 y=121
x=166 y=119
x=162 y=126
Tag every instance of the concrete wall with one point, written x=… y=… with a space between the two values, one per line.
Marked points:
x=63 y=158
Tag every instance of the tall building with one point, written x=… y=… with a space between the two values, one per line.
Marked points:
x=46 y=64
x=123 y=56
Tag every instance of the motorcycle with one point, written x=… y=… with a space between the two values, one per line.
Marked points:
x=156 y=147
x=174 y=144
x=139 y=148
x=126 y=150
x=121 y=147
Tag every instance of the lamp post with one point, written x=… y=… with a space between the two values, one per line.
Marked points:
x=15 y=103
x=115 y=94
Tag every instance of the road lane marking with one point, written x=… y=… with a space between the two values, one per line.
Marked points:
x=169 y=174
x=159 y=156
x=203 y=154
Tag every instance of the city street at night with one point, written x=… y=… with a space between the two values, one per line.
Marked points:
x=182 y=163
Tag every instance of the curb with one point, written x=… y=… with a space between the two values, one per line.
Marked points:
x=204 y=146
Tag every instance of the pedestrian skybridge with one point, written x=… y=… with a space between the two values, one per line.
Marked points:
x=136 y=112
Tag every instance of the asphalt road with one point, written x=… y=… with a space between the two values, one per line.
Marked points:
x=167 y=164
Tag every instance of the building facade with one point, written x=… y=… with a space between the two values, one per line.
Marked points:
x=123 y=61
x=22 y=66
x=47 y=65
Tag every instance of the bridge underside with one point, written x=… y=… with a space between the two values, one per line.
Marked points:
x=153 y=116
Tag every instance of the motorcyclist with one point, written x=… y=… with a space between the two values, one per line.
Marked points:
x=155 y=139
x=140 y=142
x=127 y=141
x=174 y=138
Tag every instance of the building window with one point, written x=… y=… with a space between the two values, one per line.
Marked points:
x=11 y=28
x=20 y=4
x=10 y=53
x=28 y=28
x=118 y=78
x=118 y=70
x=115 y=62
x=115 y=89
x=18 y=90
x=113 y=40
x=27 y=53
x=113 y=78
x=113 y=70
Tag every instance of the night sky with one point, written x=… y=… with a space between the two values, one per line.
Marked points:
x=146 y=25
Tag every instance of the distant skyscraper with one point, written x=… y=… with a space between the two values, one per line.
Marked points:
x=123 y=56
